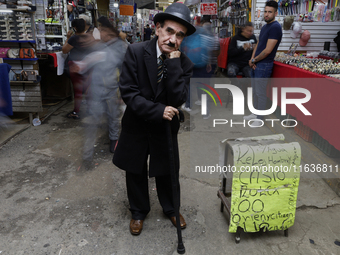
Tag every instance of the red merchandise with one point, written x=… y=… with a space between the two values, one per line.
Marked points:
x=3 y=52
x=323 y=105
x=26 y=53
x=223 y=57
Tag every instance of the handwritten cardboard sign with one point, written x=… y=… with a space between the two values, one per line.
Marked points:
x=264 y=186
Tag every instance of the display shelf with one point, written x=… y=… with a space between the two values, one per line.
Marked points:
x=18 y=10
x=54 y=36
x=325 y=146
x=305 y=132
x=18 y=41
x=26 y=82
x=55 y=24
x=31 y=89
x=24 y=59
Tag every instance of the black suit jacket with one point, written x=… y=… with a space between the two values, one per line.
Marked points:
x=143 y=127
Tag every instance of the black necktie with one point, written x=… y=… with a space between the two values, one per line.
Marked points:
x=160 y=62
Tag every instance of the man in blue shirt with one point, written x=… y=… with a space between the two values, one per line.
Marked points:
x=262 y=60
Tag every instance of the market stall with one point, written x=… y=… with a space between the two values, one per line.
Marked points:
x=18 y=51
x=53 y=23
x=323 y=105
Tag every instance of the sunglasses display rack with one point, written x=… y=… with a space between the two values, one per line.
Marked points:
x=17 y=34
x=16 y=26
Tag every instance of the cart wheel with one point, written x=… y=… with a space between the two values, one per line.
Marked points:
x=286 y=232
x=238 y=235
x=237 y=238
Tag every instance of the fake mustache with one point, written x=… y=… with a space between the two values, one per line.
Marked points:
x=171 y=45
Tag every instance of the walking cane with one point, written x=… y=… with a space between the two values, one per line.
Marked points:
x=180 y=247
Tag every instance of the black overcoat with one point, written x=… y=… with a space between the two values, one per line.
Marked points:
x=143 y=127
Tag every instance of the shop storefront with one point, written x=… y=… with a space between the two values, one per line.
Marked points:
x=307 y=50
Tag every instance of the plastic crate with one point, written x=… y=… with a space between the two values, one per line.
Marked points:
x=304 y=132
x=325 y=146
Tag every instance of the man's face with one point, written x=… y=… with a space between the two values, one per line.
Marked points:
x=269 y=14
x=170 y=36
x=248 y=31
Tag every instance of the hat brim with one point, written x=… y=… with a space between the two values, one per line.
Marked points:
x=167 y=16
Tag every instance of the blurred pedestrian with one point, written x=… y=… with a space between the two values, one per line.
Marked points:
x=202 y=48
x=89 y=28
x=147 y=33
x=105 y=61
x=78 y=45
x=137 y=38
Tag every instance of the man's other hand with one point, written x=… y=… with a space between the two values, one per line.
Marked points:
x=175 y=54
x=169 y=112
x=252 y=65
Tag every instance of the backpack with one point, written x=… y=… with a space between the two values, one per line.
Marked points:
x=26 y=53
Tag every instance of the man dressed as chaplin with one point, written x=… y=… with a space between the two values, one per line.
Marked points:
x=154 y=82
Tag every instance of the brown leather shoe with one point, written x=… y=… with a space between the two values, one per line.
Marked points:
x=181 y=220
x=136 y=227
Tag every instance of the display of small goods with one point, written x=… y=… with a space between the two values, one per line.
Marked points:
x=24 y=75
x=234 y=12
x=15 y=26
x=16 y=4
x=302 y=11
x=315 y=65
x=309 y=11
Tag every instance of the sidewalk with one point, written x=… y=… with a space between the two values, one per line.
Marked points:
x=48 y=207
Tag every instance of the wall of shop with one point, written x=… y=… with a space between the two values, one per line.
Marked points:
x=320 y=33
x=103 y=7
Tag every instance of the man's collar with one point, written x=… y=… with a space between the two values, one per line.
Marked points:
x=158 y=51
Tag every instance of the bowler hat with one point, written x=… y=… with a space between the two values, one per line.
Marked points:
x=177 y=12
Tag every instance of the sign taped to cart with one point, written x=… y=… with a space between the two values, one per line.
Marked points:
x=264 y=186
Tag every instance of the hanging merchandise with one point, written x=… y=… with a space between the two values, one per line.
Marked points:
x=297 y=28
x=287 y=23
x=81 y=6
x=235 y=13
x=89 y=5
x=305 y=36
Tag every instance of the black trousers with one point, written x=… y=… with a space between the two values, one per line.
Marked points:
x=138 y=194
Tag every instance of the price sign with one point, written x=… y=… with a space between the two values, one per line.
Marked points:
x=209 y=8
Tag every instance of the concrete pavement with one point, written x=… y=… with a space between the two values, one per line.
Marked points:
x=48 y=207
